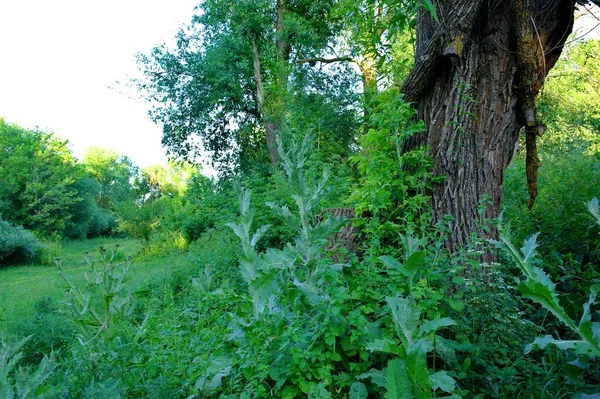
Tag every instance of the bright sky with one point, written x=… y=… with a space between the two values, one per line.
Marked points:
x=58 y=59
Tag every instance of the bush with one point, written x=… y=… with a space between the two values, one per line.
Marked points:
x=16 y=244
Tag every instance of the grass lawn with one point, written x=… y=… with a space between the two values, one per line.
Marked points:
x=22 y=286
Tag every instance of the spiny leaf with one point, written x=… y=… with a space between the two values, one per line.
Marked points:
x=385 y=346
x=529 y=248
x=594 y=209
x=406 y=318
x=258 y=234
x=391 y=262
x=542 y=290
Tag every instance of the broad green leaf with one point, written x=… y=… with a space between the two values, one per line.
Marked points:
x=434 y=325
x=406 y=318
x=385 y=346
x=441 y=380
x=392 y=263
x=456 y=304
x=398 y=383
x=358 y=390
x=416 y=364
x=318 y=392
x=378 y=377
x=415 y=262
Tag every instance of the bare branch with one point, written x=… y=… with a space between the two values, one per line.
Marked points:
x=324 y=60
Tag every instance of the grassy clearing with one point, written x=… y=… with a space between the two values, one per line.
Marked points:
x=22 y=286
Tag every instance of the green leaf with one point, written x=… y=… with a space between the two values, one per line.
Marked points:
x=385 y=346
x=415 y=262
x=358 y=390
x=416 y=364
x=580 y=347
x=456 y=304
x=429 y=6
x=318 y=392
x=391 y=262
x=543 y=291
x=434 y=325
x=378 y=377
x=441 y=380
x=585 y=325
x=529 y=248
x=398 y=383
x=406 y=318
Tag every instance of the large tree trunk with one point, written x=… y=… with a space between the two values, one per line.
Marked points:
x=474 y=81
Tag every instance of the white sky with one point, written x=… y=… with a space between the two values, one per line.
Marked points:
x=59 y=57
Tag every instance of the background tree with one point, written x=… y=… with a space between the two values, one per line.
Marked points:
x=115 y=175
x=38 y=175
x=228 y=80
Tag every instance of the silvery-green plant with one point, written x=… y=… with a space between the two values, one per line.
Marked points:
x=297 y=262
x=103 y=299
x=539 y=287
x=24 y=383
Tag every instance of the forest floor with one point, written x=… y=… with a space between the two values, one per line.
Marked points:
x=21 y=287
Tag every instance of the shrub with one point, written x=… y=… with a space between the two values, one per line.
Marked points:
x=16 y=244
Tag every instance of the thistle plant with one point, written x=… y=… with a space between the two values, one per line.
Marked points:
x=103 y=299
x=23 y=383
x=539 y=287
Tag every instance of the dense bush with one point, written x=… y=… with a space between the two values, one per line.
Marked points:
x=16 y=244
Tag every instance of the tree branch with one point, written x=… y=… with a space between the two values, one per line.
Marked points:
x=324 y=60
x=444 y=40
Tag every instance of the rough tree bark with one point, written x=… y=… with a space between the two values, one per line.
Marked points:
x=474 y=82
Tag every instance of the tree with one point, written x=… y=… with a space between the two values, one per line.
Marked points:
x=37 y=180
x=115 y=174
x=479 y=65
x=227 y=81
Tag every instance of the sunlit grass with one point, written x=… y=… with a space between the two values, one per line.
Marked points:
x=22 y=286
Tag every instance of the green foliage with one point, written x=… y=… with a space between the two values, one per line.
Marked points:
x=38 y=173
x=24 y=383
x=16 y=244
x=408 y=375
x=392 y=192
x=103 y=300
x=114 y=174
x=209 y=79
x=539 y=287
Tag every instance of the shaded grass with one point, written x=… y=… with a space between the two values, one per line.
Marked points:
x=22 y=286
